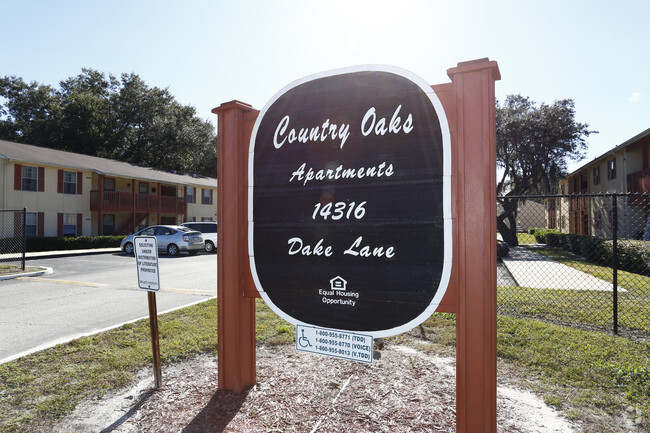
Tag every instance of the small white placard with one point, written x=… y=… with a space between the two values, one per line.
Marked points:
x=331 y=342
x=146 y=257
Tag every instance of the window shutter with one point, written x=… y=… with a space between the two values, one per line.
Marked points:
x=59 y=224
x=211 y=196
x=18 y=177
x=80 y=221
x=59 y=182
x=18 y=224
x=41 y=179
x=41 y=225
x=193 y=194
x=79 y=182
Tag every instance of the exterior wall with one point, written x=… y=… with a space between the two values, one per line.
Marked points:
x=197 y=211
x=4 y=181
x=51 y=203
x=634 y=160
x=531 y=214
x=632 y=174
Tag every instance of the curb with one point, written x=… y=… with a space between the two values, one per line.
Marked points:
x=69 y=253
x=70 y=338
x=44 y=271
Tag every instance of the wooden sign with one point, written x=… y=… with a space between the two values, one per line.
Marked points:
x=349 y=201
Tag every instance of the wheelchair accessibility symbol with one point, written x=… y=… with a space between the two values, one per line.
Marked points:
x=304 y=341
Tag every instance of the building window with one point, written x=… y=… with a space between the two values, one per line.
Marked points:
x=69 y=224
x=205 y=219
x=596 y=175
x=109 y=225
x=69 y=182
x=29 y=178
x=207 y=196
x=190 y=194
x=611 y=169
x=144 y=188
x=109 y=184
x=31 y=224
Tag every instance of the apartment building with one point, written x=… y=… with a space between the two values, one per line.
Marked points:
x=68 y=194
x=623 y=169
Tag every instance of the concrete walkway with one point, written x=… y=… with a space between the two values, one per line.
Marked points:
x=530 y=269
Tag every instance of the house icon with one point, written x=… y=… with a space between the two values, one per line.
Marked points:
x=338 y=283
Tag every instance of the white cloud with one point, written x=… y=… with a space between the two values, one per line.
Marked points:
x=635 y=97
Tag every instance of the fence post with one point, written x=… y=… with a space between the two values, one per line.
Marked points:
x=24 y=220
x=615 y=261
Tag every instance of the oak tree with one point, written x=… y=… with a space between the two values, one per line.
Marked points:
x=102 y=115
x=534 y=144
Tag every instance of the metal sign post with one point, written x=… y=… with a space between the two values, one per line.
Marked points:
x=146 y=257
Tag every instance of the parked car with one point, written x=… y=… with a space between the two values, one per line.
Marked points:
x=209 y=231
x=170 y=239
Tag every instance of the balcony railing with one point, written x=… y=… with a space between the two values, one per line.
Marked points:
x=130 y=202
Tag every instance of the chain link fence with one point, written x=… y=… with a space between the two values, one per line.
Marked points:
x=579 y=260
x=12 y=239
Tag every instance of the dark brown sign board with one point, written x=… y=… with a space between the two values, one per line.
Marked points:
x=350 y=201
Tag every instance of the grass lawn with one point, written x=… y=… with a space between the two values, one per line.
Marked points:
x=592 y=377
x=525 y=238
x=591 y=307
x=582 y=373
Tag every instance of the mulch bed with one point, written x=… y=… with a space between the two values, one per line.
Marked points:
x=403 y=390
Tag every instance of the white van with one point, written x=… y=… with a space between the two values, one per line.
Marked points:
x=209 y=231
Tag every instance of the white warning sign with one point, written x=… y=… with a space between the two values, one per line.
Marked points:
x=146 y=257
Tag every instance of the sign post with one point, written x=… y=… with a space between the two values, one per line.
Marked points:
x=353 y=221
x=146 y=257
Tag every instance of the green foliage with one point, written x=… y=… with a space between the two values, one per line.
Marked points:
x=118 y=118
x=270 y=328
x=608 y=372
x=541 y=235
x=534 y=143
x=525 y=238
x=72 y=243
x=533 y=146
x=576 y=371
x=49 y=384
x=632 y=255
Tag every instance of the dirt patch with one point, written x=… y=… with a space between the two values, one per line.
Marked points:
x=18 y=270
x=404 y=390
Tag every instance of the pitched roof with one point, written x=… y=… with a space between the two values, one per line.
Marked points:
x=29 y=154
x=612 y=151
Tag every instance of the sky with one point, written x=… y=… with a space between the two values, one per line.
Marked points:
x=207 y=52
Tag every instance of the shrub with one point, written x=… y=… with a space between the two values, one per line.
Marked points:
x=633 y=255
x=72 y=243
x=541 y=234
